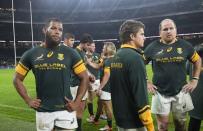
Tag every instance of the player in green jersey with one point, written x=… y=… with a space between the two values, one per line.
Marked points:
x=170 y=88
x=109 y=49
x=93 y=57
x=128 y=81
x=52 y=65
x=85 y=41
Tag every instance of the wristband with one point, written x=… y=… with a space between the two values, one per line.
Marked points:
x=195 y=78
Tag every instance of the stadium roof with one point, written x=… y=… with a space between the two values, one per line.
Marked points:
x=101 y=18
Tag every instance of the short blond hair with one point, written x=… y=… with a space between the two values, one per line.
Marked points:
x=110 y=48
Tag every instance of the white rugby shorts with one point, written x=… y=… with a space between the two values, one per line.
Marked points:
x=45 y=121
x=74 y=90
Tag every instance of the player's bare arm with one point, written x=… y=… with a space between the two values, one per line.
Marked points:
x=191 y=85
x=104 y=80
x=18 y=83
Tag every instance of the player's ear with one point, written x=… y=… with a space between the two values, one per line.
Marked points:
x=132 y=36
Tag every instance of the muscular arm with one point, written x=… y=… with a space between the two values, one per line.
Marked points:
x=18 y=83
x=93 y=65
x=105 y=79
x=191 y=85
x=197 y=68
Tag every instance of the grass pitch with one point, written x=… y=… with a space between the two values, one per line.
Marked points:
x=15 y=115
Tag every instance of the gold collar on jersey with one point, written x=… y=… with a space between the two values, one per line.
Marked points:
x=127 y=46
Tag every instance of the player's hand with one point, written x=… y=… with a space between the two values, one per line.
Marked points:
x=92 y=78
x=98 y=92
x=34 y=103
x=72 y=105
x=90 y=88
x=151 y=87
x=190 y=86
x=89 y=60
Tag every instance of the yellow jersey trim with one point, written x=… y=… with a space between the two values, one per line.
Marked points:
x=145 y=115
x=107 y=70
x=80 y=68
x=127 y=46
x=77 y=64
x=21 y=70
x=144 y=109
x=195 y=57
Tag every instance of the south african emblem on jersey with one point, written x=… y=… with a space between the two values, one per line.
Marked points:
x=60 y=56
x=179 y=50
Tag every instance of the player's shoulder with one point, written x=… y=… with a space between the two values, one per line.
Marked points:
x=33 y=50
x=153 y=44
x=129 y=54
x=184 y=42
x=67 y=49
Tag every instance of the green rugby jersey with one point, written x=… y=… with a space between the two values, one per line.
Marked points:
x=75 y=80
x=95 y=59
x=169 y=64
x=128 y=87
x=106 y=69
x=52 y=70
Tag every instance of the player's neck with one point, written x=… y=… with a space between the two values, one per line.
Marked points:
x=132 y=43
x=50 y=44
x=168 y=42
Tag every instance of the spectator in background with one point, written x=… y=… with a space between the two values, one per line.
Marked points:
x=52 y=65
x=170 y=88
x=196 y=115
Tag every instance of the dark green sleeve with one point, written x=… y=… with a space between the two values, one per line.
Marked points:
x=75 y=57
x=137 y=75
x=107 y=63
x=81 y=54
x=189 y=49
x=148 y=53
x=26 y=59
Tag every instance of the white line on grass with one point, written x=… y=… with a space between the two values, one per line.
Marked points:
x=14 y=107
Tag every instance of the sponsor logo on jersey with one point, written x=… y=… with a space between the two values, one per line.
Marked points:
x=60 y=56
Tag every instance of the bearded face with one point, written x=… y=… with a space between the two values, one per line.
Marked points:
x=53 y=34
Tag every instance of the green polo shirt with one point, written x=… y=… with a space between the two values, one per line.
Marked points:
x=128 y=87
